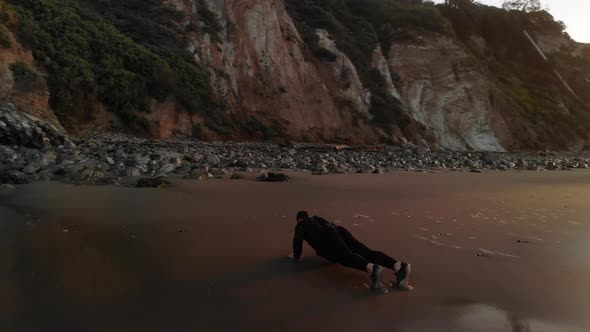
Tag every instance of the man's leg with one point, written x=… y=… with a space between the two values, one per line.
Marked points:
x=401 y=270
x=336 y=250
x=357 y=247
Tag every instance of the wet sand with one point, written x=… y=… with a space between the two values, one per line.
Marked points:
x=500 y=251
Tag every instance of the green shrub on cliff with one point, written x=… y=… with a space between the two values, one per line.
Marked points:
x=5 y=39
x=211 y=24
x=518 y=69
x=254 y=127
x=26 y=78
x=324 y=54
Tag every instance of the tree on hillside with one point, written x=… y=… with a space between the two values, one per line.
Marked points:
x=461 y=4
x=523 y=5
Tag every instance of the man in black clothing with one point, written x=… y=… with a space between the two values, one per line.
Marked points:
x=336 y=244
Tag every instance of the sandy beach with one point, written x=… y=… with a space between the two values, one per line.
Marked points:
x=498 y=251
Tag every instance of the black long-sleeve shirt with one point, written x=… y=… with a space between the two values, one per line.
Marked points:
x=310 y=230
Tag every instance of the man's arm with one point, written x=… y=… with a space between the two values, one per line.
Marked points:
x=298 y=242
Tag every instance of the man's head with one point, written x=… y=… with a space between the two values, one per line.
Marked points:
x=302 y=215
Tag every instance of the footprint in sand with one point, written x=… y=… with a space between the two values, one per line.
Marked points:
x=448 y=245
x=495 y=253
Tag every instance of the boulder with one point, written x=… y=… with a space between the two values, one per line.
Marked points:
x=107 y=180
x=133 y=171
x=6 y=186
x=157 y=182
x=14 y=177
x=166 y=168
x=31 y=169
x=273 y=177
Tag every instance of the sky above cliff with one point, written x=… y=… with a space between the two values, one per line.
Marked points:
x=573 y=12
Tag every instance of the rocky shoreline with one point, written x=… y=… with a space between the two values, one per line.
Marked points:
x=104 y=159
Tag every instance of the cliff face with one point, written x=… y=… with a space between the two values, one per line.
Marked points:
x=448 y=91
x=260 y=68
x=273 y=76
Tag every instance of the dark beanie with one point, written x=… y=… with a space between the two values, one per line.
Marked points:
x=302 y=215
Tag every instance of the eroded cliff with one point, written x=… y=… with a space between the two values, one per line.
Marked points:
x=344 y=71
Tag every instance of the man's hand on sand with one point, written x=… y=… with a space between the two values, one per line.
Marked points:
x=292 y=257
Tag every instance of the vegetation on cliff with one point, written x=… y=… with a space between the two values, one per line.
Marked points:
x=5 y=40
x=26 y=78
x=123 y=53
x=211 y=24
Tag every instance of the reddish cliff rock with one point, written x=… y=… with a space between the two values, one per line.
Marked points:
x=260 y=68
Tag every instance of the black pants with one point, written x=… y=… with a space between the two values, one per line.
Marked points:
x=339 y=246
